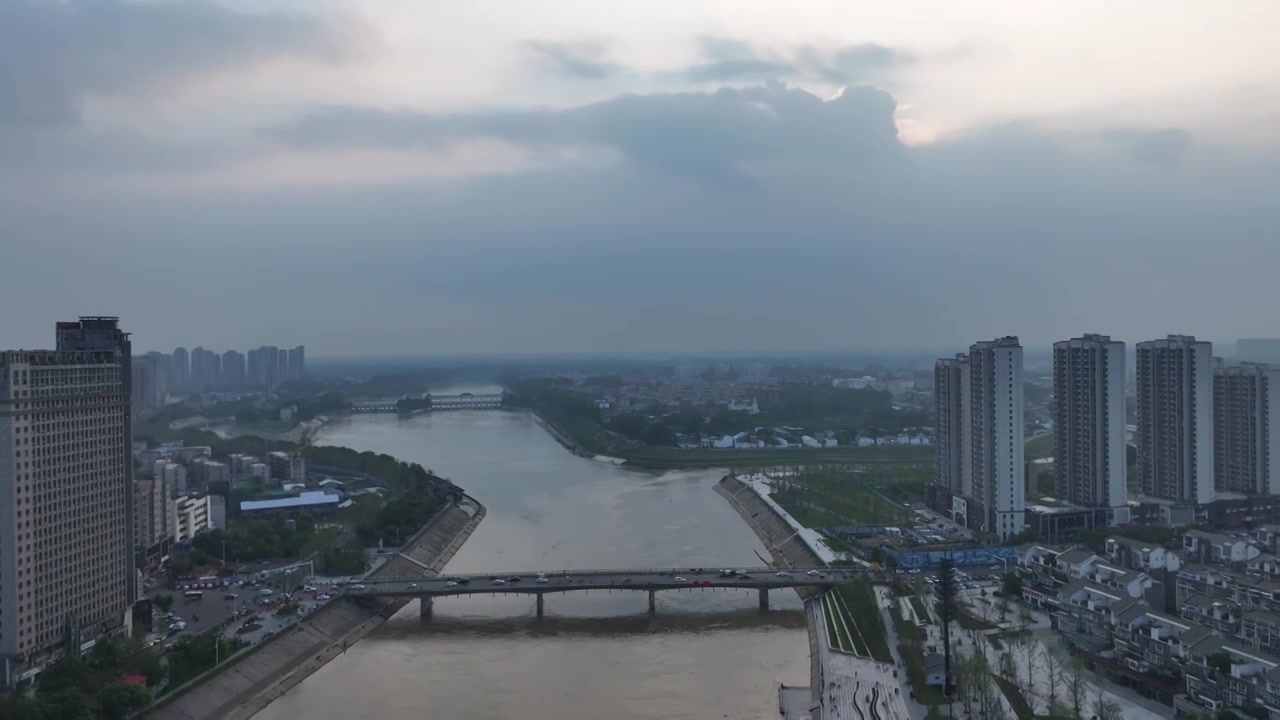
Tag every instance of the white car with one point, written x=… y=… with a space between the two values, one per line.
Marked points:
x=680 y=579
x=783 y=573
x=413 y=586
x=499 y=581
x=542 y=580
x=322 y=597
x=813 y=573
x=357 y=587
x=450 y=583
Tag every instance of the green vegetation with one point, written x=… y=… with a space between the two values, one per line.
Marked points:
x=858 y=602
x=1040 y=446
x=837 y=629
x=74 y=688
x=834 y=495
x=193 y=656
x=1021 y=708
x=575 y=417
x=917 y=604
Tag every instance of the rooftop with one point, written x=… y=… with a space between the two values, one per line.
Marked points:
x=306 y=499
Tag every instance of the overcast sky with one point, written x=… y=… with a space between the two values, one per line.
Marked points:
x=406 y=177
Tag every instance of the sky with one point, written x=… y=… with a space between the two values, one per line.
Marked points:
x=397 y=177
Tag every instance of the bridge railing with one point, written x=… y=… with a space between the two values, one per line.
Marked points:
x=616 y=571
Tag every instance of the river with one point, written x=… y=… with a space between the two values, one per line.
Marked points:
x=704 y=654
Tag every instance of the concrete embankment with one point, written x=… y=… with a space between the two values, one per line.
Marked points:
x=242 y=687
x=560 y=437
x=787 y=549
x=785 y=545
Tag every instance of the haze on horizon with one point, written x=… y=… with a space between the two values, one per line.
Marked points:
x=402 y=178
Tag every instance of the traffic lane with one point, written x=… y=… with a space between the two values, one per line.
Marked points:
x=443 y=583
x=198 y=616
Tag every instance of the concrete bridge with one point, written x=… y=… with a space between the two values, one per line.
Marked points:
x=540 y=584
x=466 y=401
x=428 y=403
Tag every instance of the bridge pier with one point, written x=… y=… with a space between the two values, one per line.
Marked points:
x=764 y=598
x=653 y=605
x=424 y=609
x=540 y=597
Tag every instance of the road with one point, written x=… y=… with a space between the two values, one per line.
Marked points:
x=637 y=579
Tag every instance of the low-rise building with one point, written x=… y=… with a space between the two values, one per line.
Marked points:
x=1218 y=548
x=314 y=501
x=190 y=517
x=1138 y=555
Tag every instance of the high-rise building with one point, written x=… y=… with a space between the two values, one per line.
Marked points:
x=233 y=369
x=1246 y=439
x=1089 y=424
x=198 y=368
x=66 y=493
x=1175 y=419
x=181 y=375
x=950 y=383
x=297 y=363
x=996 y=435
x=282 y=366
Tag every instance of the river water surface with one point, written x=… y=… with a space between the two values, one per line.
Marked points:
x=704 y=654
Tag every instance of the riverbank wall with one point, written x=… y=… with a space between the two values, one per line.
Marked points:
x=788 y=549
x=241 y=687
x=786 y=546
x=561 y=437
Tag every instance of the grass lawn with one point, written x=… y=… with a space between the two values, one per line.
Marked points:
x=922 y=611
x=1040 y=446
x=859 y=603
x=853 y=496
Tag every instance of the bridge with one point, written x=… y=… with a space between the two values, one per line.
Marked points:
x=429 y=402
x=466 y=401
x=648 y=580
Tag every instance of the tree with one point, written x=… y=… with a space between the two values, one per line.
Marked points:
x=1077 y=686
x=1002 y=607
x=1105 y=708
x=65 y=704
x=163 y=602
x=1012 y=585
x=70 y=673
x=1053 y=667
x=119 y=699
x=1227 y=714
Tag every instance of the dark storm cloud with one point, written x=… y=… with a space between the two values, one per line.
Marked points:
x=843 y=237
x=54 y=54
x=694 y=134
x=583 y=60
x=1164 y=148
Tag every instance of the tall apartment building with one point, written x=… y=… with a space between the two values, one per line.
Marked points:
x=1175 y=419
x=953 y=462
x=286 y=467
x=1089 y=424
x=181 y=367
x=1246 y=439
x=297 y=363
x=995 y=434
x=66 y=493
x=173 y=475
x=233 y=369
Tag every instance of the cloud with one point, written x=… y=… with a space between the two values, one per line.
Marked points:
x=584 y=60
x=731 y=60
x=759 y=217
x=706 y=135
x=1164 y=148
x=55 y=55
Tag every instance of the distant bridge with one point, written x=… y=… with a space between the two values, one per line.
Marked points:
x=560 y=581
x=428 y=403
